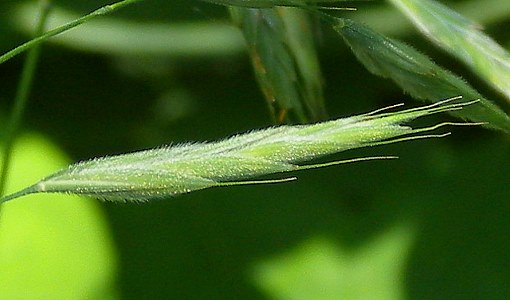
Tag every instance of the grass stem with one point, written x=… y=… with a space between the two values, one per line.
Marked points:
x=22 y=95
x=105 y=10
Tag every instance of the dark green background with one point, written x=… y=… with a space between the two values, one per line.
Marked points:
x=203 y=245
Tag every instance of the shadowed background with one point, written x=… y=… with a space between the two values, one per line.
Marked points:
x=431 y=225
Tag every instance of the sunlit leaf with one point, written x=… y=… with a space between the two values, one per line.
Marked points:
x=322 y=269
x=51 y=246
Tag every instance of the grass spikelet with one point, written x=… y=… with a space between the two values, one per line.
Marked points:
x=170 y=171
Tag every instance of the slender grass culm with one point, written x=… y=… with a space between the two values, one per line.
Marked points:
x=105 y=10
x=169 y=171
x=21 y=98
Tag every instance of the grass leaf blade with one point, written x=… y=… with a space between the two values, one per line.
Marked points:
x=462 y=38
x=415 y=73
x=281 y=48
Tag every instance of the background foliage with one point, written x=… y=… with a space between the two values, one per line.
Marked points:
x=431 y=225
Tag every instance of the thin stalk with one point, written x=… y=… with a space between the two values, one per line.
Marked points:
x=21 y=98
x=105 y=10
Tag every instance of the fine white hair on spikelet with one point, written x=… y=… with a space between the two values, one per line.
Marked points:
x=172 y=170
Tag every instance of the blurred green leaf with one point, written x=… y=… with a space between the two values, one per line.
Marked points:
x=377 y=16
x=321 y=269
x=125 y=37
x=52 y=247
x=462 y=38
x=415 y=73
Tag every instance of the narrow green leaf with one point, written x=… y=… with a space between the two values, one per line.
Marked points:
x=170 y=171
x=283 y=56
x=415 y=73
x=461 y=38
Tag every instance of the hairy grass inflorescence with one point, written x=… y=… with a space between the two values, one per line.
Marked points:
x=169 y=171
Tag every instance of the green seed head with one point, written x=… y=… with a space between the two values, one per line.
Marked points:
x=169 y=171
